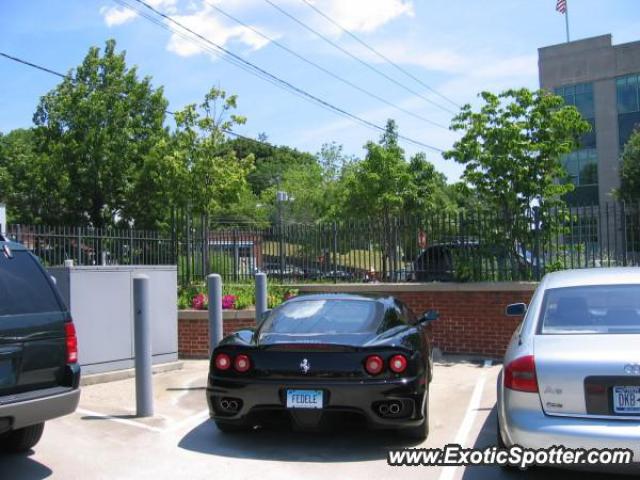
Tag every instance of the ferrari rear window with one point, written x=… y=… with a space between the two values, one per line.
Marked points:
x=592 y=309
x=323 y=317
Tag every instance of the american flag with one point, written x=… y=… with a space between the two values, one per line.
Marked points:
x=561 y=6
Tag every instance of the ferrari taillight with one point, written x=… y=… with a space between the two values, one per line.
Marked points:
x=374 y=364
x=398 y=363
x=242 y=363
x=222 y=361
x=520 y=375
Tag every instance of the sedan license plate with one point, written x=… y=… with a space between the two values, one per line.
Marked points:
x=7 y=376
x=304 y=398
x=626 y=399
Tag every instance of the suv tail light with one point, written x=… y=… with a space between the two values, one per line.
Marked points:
x=374 y=364
x=222 y=361
x=398 y=363
x=71 y=341
x=242 y=363
x=520 y=375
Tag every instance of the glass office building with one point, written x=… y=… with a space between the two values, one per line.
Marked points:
x=602 y=81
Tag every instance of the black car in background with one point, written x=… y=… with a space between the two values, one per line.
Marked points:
x=39 y=371
x=322 y=359
x=469 y=261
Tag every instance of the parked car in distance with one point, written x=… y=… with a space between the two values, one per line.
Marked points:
x=452 y=261
x=320 y=359
x=39 y=371
x=290 y=272
x=571 y=375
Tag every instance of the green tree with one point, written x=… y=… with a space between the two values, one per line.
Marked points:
x=28 y=185
x=96 y=128
x=208 y=176
x=511 y=149
x=630 y=170
x=512 y=146
x=377 y=185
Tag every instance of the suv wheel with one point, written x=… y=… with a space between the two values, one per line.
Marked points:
x=23 y=439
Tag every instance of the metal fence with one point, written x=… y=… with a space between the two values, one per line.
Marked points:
x=94 y=246
x=476 y=246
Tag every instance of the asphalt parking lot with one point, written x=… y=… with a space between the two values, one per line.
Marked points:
x=103 y=439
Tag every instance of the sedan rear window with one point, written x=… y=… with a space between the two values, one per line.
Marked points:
x=24 y=288
x=592 y=309
x=323 y=317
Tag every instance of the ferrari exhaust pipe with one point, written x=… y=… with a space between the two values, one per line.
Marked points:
x=394 y=408
x=233 y=405
x=383 y=409
x=224 y=404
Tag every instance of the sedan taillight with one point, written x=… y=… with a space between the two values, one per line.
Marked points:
x=374 y=364
x=71 y=341
x=520 y=375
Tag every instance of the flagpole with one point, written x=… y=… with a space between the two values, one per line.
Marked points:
x=566 y=19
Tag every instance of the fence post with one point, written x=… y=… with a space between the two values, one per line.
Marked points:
x=214 y=285
x=261 y=295
x=3 y=219
x=536 y=239
x=142 y=342
x=335 y=252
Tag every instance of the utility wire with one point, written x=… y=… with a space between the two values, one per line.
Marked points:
x=168 y=112
x=358 y=59
x=261 y=72
x=378 y=53
x=24 y=62
x=321 y=68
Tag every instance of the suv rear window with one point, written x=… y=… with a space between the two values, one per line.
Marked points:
x=24 y=289
x=592 y=309
x=323 y=317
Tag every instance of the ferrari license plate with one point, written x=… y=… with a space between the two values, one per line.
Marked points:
x=304 y=398
x=626 y=399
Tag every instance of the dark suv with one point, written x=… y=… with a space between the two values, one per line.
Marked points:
x=39 y=371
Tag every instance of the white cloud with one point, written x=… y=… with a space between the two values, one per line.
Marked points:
x=365 y=15
x=114 y=16
x=205 y=23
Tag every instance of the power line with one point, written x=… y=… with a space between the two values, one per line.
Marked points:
x=357 y=59
x=24 y=62
x=378 y=53
x=168 y=112
x=321 y=68
x=261 y=73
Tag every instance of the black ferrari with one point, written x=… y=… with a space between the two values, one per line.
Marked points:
x=320 y=359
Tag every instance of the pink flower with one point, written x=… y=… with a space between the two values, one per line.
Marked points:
x=228 y=302
x=199 y=301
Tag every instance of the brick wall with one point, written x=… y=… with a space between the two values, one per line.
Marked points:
x=472 y=319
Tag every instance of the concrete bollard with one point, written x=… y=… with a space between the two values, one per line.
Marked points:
x=214 y=285
x=142 y=342
x=261 y=295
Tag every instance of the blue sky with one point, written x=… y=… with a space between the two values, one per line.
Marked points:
x=457 y=47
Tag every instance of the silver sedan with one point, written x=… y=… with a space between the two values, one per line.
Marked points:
x=571 y=373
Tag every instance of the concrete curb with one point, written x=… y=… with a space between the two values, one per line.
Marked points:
x=127 y=373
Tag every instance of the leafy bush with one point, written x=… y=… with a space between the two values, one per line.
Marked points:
x=234 y=296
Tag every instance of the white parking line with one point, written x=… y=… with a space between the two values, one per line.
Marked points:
x=195 y=418
x=123 y=421
x=462 y=436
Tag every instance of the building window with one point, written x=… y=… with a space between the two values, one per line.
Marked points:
x=582 y=164
x=628 y=93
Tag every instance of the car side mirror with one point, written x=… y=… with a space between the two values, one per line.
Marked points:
x=429 y=316
x=516 y=309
